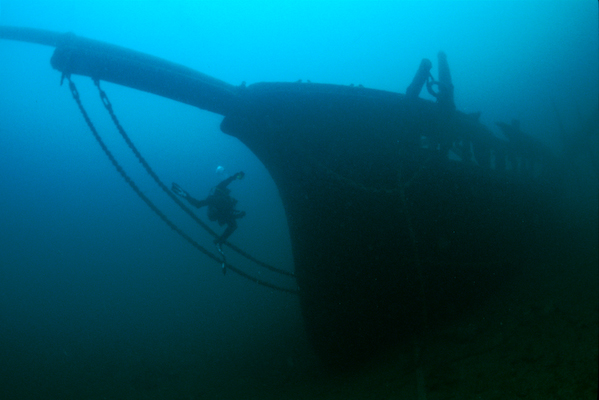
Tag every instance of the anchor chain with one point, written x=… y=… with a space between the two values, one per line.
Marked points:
x=165 y=188
x=153 y=207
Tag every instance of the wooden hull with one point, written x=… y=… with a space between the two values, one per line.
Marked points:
x=387 y=236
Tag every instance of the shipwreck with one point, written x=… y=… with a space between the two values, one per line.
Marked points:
x=401 y=210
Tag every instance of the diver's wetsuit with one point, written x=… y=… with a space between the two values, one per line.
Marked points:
x=221 y=207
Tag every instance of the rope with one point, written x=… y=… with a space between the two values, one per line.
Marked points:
x=152 y=206
x=166 y=190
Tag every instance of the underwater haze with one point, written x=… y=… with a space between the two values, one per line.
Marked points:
x=100 y=299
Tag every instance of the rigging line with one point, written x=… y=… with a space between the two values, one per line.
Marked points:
x=165 y=188
x=152 y=206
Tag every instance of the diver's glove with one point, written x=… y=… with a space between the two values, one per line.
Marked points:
x=239 y=175
x=178 y=190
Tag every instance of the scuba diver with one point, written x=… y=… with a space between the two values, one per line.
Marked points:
x=221 y=206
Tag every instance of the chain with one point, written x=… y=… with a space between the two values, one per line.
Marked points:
x=150 y=204
x=166 y=190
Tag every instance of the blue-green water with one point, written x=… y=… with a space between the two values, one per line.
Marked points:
x=100 y=299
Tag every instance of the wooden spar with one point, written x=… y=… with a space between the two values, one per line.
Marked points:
x=107 y=62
